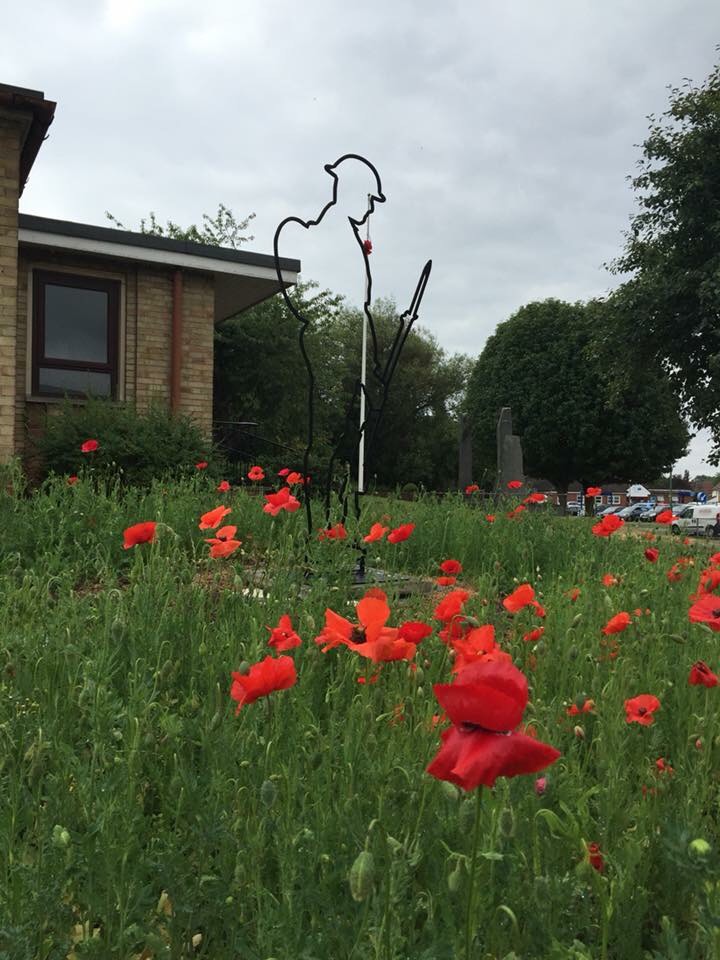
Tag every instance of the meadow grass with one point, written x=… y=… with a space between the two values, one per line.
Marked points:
x=141 y=818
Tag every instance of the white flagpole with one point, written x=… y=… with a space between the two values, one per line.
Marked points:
x=363 y=378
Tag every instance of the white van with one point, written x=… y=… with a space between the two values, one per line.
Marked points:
x=698 y=518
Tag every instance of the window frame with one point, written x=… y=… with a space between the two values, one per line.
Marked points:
x=81 y=281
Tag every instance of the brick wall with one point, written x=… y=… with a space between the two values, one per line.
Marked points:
x=10 y=132
x=145 y=342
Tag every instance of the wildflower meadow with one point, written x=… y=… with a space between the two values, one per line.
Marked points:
x=217 y=743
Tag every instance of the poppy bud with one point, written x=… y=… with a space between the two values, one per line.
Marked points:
x=699 y=849
x=244 y=668
x=202 y=649
x=362 y=876
x=420 y=691
x=455 y=878
x=698 y=744
x=541 y=786
x=507 y=822
x=576 y=620
x=117 y=629
x=419 y=674
x=268 y=793
x=572 y=653
x=579 y=733
x=450 y=790
x=540 y=646
x=61 y=836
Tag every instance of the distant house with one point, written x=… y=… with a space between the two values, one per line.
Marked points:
x=86 y=309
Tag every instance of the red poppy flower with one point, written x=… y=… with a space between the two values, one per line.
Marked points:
x=211 y=519
x=593 y=492
x=485 y=704
x=608 y=525
x=702 y=675
x=652 y=554
x=71 y=481
x=587 y=706
x=367 y=246
x=490 y=517
x=533 y=635
x=223 y=548
x=451 y=567
x=282 y=636
x=512 y=514
x=618 y=623
x=514 y=484
x=338 y=532
x=609 y=580
x=256 y=473
x=715 y=559
x=223 y=486
x=201 y=465
x=665 y=516
x=139 y=533
x=401 y=533
x=451 y=605
x=477 y=644
x=225 y=533
x=372 y=679
x=674 y=574
x=445 y=581
x=90 y=446
x=595 y=857
x=709 y=581
x=535 y=498
x=662 y=766
x=284 y=472
x=521 y=597
x=370 y=637
x=262 y=679
x=282 y=500
x=377 y=532
x=471 y=488
x=573 y=594
x=293 y=478
x=539 y=609
x=640 y=709
x=414 y=631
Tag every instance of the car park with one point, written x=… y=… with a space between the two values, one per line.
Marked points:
x=606 y=511
x=650 y=515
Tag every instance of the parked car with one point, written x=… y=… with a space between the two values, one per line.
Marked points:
x=575 y=509
x=649 y=515
x=697 y=518
x=634 y=511
x=606 y=511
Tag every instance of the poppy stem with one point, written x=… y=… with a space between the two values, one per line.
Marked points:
x=469 y=926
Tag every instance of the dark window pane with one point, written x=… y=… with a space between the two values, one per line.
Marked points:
x=76 y=323
x=59 y=382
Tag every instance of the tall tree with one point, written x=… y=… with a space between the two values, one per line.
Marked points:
x=577 y=418
x=671 y=304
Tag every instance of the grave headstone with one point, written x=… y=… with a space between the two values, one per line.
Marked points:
x=509 y=451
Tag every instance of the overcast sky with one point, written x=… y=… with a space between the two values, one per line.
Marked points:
x=504 y=132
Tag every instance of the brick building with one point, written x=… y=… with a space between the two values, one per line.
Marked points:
x=86 y=309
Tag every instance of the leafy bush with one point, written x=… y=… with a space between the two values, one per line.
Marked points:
x=133 y=447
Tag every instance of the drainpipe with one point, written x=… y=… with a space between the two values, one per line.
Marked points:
x=176 y=342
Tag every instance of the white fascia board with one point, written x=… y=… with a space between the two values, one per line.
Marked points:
x=124 y=251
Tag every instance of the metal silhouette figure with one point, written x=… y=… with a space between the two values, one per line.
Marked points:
x=382 y=365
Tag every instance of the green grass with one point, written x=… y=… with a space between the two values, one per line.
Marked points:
x=138 y=812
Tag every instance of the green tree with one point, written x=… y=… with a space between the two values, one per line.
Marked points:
x=578 y=418
x=222 y=230
x=416 y=440
x=671 y=304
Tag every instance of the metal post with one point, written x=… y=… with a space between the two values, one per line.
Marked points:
x=363 y=372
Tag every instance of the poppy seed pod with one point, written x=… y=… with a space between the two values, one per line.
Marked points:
x=507 y=822
x=244 y=668
x=362 y=876
x=455 y=878
x=699 y=849
x=268 y=793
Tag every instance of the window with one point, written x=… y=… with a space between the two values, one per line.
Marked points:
x=75 y=335
x=614 y=499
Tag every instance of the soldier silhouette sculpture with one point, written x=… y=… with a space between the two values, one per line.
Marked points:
x=381 y=364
